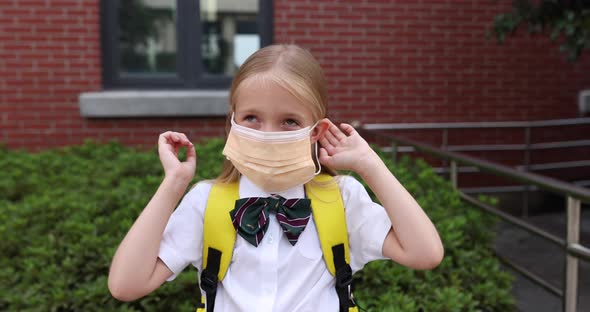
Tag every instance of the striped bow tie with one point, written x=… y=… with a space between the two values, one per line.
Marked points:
x=250 y=216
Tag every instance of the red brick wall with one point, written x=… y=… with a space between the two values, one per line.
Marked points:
x=49 y=54
x=425 y=61
x=386 y=61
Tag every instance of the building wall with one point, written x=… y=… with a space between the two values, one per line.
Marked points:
x=386 y=61
x=426 y=61
x=48 y=55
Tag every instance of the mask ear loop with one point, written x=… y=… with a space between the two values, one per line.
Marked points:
x=332 y=183
x=317 y=158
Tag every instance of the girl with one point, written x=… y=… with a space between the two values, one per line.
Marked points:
x=279 y=95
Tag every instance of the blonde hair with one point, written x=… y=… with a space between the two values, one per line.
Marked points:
x=290 y=67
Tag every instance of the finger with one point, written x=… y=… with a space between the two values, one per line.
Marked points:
x=189 y=142
x=175 y=149
x=330 y=123
x=174 y=141
x=181 y=143
x=184 y=139
x=170 y=137
x=325 y=159
x=330 y=135
x=191 y=154
x=165 y=143
x=163 y=138
x=324 y=142
x=337 y=133
x=332 y=129
x=348 y=129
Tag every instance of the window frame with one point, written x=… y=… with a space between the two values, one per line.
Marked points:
x=190 y=74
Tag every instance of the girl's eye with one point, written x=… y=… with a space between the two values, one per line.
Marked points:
x=250 y=118
x=291 y=123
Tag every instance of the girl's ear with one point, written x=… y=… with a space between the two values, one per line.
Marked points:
x=319 y=130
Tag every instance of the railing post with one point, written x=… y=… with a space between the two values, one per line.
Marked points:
x=454 y=173
x=444 y=145
x=445 y=139
x=570 y=298
x=393 y=152
x=526 y=163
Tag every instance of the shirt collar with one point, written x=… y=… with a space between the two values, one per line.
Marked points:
x=249 y=189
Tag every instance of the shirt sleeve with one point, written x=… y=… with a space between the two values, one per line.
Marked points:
x=183 y=237
x=367 y=222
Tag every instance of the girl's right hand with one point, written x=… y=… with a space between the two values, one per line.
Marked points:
x=169 y=144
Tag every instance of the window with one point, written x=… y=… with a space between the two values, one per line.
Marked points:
x=180 y=44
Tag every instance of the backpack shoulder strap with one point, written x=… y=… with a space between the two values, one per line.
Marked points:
x=219 y=237
x=328 y=215
x=330 y=220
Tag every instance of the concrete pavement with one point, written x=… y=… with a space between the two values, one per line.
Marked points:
x=545 y=259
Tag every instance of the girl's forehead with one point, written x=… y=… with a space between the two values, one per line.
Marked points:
x=267 y=96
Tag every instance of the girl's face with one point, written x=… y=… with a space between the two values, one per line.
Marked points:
x=268 y=107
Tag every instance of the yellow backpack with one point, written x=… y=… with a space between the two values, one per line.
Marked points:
x=219 y=236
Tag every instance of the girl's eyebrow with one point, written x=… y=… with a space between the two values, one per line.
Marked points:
x=249 y=111
x=293 y=115
x=255 y=111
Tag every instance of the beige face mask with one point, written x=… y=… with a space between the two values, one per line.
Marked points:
x=274 y=161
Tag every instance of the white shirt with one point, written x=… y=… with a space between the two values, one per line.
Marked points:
x=276 y=276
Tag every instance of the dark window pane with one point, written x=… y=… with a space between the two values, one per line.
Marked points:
x=180 y=43
x=147 y=41
x=230 y=34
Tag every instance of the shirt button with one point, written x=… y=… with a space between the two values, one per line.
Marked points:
x=270 y=239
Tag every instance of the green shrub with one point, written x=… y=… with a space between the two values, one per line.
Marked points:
x=469 y=277
x=64 y=212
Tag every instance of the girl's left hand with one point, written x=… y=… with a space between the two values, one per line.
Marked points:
x=344 y=149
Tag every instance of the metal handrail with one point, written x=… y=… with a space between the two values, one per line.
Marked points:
x=514 y=147
x=478 y=125
x=575 y=196
x=497 y=169
x=532 y=276
x=516 y=221
x=527 y=147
